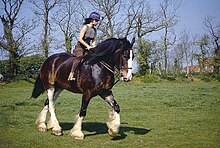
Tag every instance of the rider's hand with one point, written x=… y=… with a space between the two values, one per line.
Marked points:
x=89 y=47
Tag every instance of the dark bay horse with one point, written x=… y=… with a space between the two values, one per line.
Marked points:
x=94 y=76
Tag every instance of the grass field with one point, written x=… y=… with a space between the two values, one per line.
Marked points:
x=163 y=114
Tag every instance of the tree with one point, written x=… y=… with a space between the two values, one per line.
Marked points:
x=117 y=17
x=184 y=52
x=65 y=18
x=15 y=30
x=202 y=43
x=169 y=10
x=194 y=50
x=185 y=47
x=178 y=56
x=43 y=9
x=131 y=12
x=144 y=55
x=108 y=10
x=146 y=22
x=214 y=33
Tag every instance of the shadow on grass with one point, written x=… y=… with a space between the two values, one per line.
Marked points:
x=97 y=128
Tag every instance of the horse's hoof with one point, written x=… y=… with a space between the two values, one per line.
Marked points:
x=112 y=133
x=42 y=129
x=57 y=133
x=78 y=135
x=79 y=138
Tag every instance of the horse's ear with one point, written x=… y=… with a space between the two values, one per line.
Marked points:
x=132 y=41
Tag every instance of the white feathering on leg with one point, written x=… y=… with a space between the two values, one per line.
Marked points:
x=76 y=132
x=53 y=122
x=41 y=120
x=113 y=124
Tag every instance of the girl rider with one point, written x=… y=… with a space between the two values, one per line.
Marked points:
x=87 y=35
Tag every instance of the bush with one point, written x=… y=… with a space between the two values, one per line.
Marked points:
x=216 y=76
x=4 y=69
x=28 y=68
x=205 y=78
x=148 y=78
x=209 y=77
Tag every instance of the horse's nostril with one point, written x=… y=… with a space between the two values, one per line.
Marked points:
x=125 y=79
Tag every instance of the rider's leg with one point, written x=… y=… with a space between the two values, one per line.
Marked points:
x=78 y=53
x=73 y=69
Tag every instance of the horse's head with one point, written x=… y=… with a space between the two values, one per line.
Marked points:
x=115 y=52
x=123 y=58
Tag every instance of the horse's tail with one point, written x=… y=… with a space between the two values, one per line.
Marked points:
x=38 y=88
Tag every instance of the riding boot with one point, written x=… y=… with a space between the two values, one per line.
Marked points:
x=76 y=62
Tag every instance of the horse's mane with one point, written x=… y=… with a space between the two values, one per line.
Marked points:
x=105 y=49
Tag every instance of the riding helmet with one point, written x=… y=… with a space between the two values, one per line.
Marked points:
x=94 y=16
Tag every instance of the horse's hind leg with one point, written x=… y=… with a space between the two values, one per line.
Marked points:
x=53 y=122
x=42 y=118
x=49 y=106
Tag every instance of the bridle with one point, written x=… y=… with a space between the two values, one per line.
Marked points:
x=119 y=67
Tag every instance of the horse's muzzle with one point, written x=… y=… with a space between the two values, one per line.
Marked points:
x=126 y=79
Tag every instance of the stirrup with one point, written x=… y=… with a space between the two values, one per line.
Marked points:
x=71 y=77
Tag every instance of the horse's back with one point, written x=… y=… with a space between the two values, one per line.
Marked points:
x=58 y=58
x=61 y=56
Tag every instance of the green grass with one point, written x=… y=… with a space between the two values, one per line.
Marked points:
x=163 y=114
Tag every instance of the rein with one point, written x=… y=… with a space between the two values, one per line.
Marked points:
x=108 y=68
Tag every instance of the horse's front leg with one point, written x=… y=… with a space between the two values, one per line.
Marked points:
x=76 y=131
x=114 y=117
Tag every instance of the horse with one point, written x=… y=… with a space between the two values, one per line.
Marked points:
x=95 y=76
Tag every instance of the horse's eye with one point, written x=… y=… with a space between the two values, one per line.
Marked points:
x=126 y=57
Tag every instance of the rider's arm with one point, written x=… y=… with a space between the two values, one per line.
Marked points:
x=81 y=35
x=94 y=43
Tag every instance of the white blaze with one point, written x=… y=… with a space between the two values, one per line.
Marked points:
x=129 y=75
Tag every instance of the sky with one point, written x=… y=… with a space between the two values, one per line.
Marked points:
x=192 y=14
